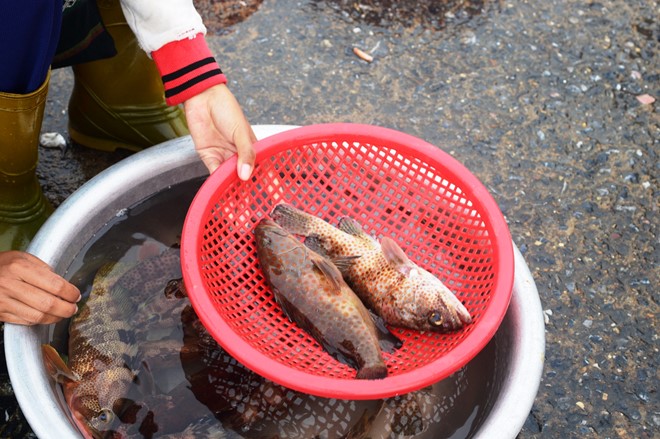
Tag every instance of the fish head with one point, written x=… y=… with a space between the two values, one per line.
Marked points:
x=270 y=236
x=433 y=306
x=276 y=246
x=267 y=229
x=95 y=408
x=86 y=395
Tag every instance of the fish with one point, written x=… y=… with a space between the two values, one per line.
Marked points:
x=137 y=321
x=427 y=413
x=380 y=273
x=255 y=407
x=116 y=340
x=216 y=396
x=313 y=294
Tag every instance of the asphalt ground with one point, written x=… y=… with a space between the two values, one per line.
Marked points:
x=553 y=105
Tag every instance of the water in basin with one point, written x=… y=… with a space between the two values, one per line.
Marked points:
x=212 y=388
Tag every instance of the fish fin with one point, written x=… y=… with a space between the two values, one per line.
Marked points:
x=287 y=307
x=343 y=263
x=395 y=256
x=144 y=379
x=331 y=272
x=56 y=366
x=363 y=426
x=315 y=244
x=300 y=319
x=376 y=372
x=149 y=249
x=388 y=342
x=353 y=228
x=291 y=219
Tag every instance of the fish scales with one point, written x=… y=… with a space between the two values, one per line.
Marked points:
x=104 y=326
x=313 y=294
x=107 y=349
x=384 y=278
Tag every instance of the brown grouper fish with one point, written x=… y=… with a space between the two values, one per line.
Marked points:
x=123 y=330
x=381 y=274
x=142 y=365
x=311 y=291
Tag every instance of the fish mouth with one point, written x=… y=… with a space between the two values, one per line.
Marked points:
x=74 y=401
x=82 y=425
x=445 y=322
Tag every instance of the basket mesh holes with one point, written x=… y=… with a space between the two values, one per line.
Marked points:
x=390 y=195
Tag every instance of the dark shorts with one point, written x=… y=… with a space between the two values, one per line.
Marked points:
x=36 y=34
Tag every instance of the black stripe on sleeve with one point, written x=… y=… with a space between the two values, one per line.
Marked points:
x=196 y=80
x=187 y=69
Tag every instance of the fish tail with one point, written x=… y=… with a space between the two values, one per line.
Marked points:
x=374 y=372
x=293 y=220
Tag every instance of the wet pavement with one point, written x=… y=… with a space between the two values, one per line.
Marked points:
x=548 y=103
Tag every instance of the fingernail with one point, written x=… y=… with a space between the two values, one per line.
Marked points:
x=244 y=171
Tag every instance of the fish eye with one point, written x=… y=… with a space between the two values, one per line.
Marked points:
x=106 y=416
x=435 y=318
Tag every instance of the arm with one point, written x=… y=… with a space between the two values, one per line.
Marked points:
x=172 y=33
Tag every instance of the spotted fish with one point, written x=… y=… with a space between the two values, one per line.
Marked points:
x=135 y=329
x=384 y=278
x=215 y=396
x=119 y=335
x=313 y=294
x=258 y=408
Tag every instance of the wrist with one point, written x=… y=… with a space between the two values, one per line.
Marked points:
x=187 y=68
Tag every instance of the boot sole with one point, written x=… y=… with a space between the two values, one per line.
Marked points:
x=99 y=144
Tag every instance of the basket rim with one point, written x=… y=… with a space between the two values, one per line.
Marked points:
x=343 y=388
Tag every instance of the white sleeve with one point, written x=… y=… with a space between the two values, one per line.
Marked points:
x=158 y=22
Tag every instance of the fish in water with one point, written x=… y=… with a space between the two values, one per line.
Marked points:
x=114 y=340
x=381 y=274
x=216 y=397
x=256 y=407
x=115 y=388
x=311 y=291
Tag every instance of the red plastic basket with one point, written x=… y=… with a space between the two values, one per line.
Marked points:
x=393 y=184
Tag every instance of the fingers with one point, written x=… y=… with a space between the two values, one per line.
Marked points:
x=219 y=129
x=36 y=273
x=210 y=159
x=31 y=293
x=244 y=140
x=14 y=311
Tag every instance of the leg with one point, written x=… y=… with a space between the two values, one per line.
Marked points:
x=29 y=32
x=119 y=102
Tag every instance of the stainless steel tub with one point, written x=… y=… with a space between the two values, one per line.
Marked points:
x=520 y=339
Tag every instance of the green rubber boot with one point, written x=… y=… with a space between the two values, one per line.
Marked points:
x=119 y=102
x=23 y=207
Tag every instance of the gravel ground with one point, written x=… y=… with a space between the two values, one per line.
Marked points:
x=551 y=104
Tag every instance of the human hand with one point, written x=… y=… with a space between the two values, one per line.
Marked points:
x=31 y=293
x=219 y=129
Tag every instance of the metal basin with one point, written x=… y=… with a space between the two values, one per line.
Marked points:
x=519 y=343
